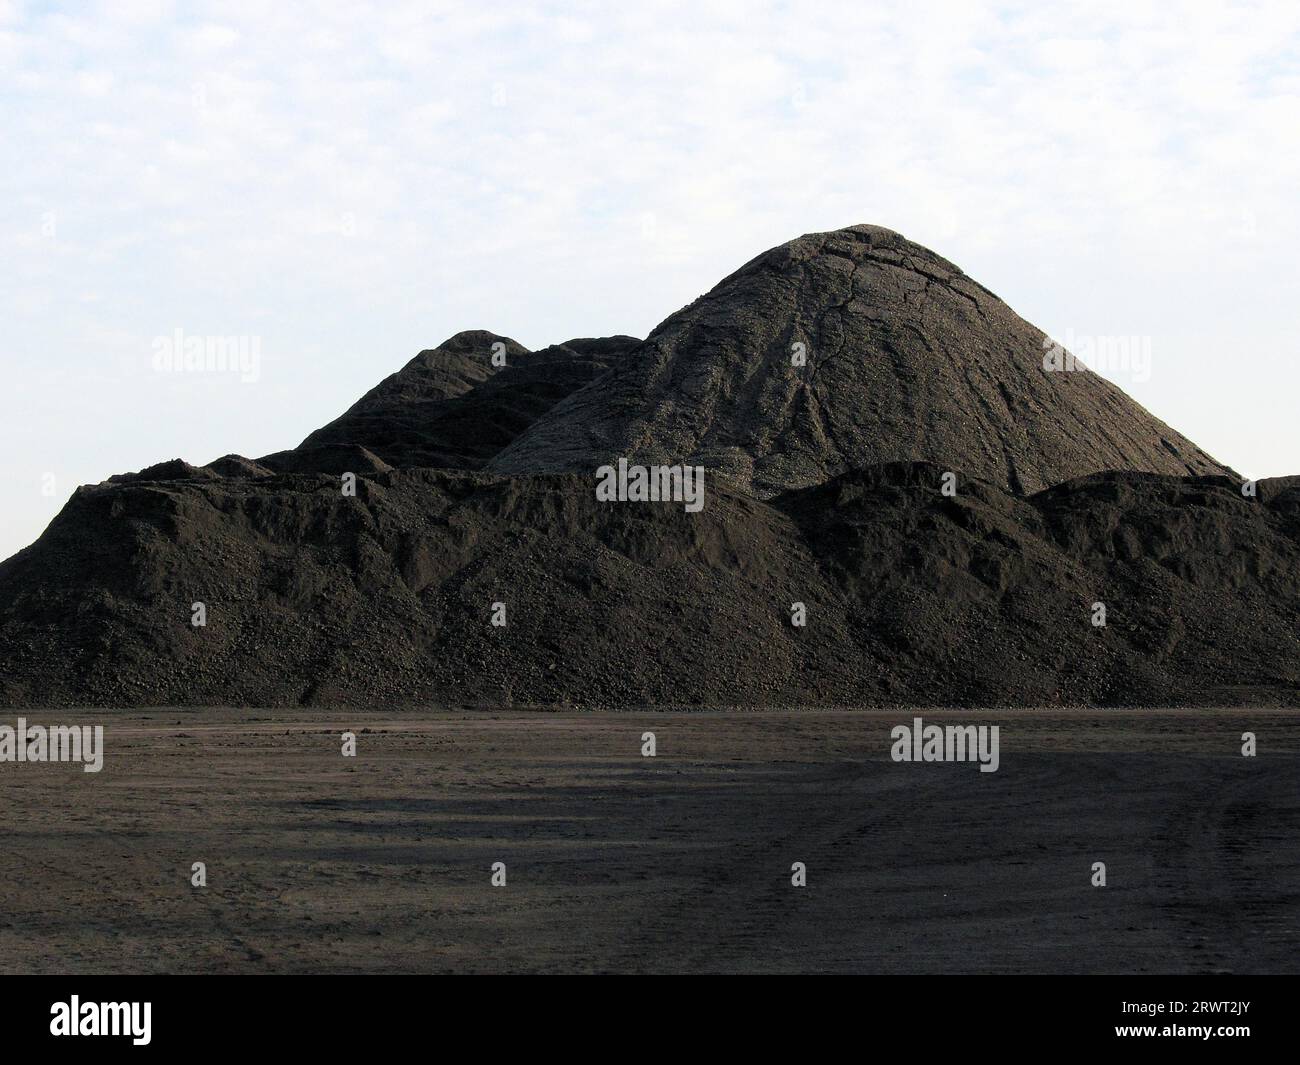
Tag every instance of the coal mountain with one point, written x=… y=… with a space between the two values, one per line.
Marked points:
x=883 y=446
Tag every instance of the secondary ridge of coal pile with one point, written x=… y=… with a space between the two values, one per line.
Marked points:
x=949 y=515
x=452 y=407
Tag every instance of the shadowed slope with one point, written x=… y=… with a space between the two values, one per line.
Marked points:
x=912 y=597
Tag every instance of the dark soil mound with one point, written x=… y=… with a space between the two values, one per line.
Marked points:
x=826 y=488
x=911 y=596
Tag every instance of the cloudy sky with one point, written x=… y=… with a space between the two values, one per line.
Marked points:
x=352 y=185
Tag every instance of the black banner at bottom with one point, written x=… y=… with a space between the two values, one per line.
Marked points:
x=350 y=1013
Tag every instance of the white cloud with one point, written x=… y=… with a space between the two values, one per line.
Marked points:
x=211 y=36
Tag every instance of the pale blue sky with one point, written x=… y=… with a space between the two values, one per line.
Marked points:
x=356 y=185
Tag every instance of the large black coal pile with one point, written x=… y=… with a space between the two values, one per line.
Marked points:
x=949 y=514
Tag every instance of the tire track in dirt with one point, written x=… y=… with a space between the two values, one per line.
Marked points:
x=1223 y=874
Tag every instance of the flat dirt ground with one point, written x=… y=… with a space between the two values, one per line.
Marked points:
x=678 y=863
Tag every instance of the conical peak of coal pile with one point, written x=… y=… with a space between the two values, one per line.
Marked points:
x=845 y=349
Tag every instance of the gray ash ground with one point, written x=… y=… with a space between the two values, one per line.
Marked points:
x=677 y=863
